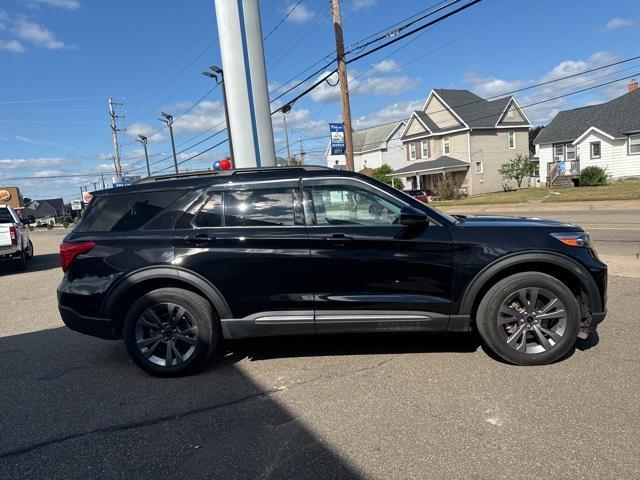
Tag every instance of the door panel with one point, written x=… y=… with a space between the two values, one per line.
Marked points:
x=254 y=248
x=364 y=261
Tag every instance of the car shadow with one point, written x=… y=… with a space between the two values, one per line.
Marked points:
x=77 y=407
x=350 y=344
x=38 y=263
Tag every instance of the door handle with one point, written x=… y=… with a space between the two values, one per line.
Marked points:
x=339 y=239
x=199 y=239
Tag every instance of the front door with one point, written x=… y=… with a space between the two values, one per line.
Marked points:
x=249 y=240
x=370 y=272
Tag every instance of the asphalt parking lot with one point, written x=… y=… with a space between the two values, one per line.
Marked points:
x=365 y=406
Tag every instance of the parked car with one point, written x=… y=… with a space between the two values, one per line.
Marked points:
x=420 y=195
x=15 y=245
x=176 y=264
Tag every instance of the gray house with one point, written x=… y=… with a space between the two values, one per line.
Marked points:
x=462 y=136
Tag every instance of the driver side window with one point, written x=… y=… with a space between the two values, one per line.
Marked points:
x=351 y=205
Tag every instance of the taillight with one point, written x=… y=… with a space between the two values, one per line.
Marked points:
x=69 y=251
x=14 y=235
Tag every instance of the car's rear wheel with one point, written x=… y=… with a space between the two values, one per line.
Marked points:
x=21 y=261
x=530 y=318
x=170 y=332
x=29 y=251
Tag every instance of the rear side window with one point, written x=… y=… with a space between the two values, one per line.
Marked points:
x=275 y=207
x=125 y=212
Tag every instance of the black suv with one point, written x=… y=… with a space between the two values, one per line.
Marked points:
x=175 y=264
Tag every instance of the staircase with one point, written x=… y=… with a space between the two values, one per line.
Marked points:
x=562 y=174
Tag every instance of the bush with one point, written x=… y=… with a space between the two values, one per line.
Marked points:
x=448 y=190
x=65 y=224
x=382 y=174
x=49 y=226
x=593 y=176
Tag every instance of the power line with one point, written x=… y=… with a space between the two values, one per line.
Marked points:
x=282 y=20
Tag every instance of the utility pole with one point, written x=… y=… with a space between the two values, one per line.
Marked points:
x=286 y=109
x=103 y=185
x=95 y=185
x=301 y=151
x=344 y=84
x=143 y=140
x=114 y=133
x=168 y=119
x=215 y=71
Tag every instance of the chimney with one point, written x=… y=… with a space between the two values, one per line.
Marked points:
x=633 y=86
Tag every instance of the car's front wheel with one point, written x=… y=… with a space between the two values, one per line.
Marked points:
x=529 y=318
x=170 y=332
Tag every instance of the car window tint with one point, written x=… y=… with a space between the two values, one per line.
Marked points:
x=5 y=216
x=344 y=205
x=260 y=207
x=211 y=213
x=125 y=212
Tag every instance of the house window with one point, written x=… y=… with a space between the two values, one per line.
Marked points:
x=571 y=151
x=412 y=150
x=512 y=139
x=510 y=113
x=595 y=149
x=478 y=168
x=634 y=144
x=558 y=153
x=446 y=145
x=424 y=145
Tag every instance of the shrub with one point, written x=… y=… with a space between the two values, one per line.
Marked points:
x=593 y=176
x=448 y=189
x=382 y=173
x=518 y=168
x=66 y=224
x=49 y=226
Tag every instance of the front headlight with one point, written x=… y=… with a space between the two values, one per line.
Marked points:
x=574 y=239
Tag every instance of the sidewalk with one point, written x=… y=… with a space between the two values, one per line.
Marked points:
x=605 y=205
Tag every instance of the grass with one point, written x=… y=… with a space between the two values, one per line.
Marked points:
x=620 y=190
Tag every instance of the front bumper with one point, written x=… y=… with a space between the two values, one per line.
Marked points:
x=96 y=327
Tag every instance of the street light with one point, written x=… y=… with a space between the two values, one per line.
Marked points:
x=213 y=73
x=143 y=140
x=168 y=119
x=286 y=109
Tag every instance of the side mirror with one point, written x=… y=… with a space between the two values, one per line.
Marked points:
x=413 y=218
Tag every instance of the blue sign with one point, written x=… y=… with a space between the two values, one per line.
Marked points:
x=337 y=138
x=124 y=181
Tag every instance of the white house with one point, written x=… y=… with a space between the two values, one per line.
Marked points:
x=374 y=147
x=606 y=135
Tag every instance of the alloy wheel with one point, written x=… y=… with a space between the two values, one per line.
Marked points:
x=532 y=320
x=166 y=334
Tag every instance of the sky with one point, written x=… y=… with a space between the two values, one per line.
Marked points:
x=61 y=59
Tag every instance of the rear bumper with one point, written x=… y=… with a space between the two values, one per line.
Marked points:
x=9 y=252
x=96 y=327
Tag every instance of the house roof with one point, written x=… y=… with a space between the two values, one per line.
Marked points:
x=617 y=118
x=53 y=203
x=440 y=163
x=374 y=138
x=475 y=111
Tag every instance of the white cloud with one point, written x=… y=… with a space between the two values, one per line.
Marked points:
x=37 y=34
x=64 y=4
x=13 y=46
x=207 y=115
x=3 y=18
x=374 y=85
x=299 y=120
x=386 y=66
x=147 y=130
x=356 y=5
x=397 y=111
x=616 y=23
x=31 y=163
x=490 y=86
x=301 y=14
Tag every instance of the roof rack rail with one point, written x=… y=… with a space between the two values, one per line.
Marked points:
x=205 y=173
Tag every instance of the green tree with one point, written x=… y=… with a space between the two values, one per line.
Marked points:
x=383 y=174
x=518 y=168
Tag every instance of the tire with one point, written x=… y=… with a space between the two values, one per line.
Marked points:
x=525 y=334
x=21 y=262
x=149 y=336
x=29 y=252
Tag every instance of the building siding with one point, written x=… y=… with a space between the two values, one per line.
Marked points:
x=491 y=147
x=614 y=156
x=440 y=114
x=415 y=127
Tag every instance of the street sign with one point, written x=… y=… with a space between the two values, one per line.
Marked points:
x=124 y=181
x=76 y=204
x=337 y=138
